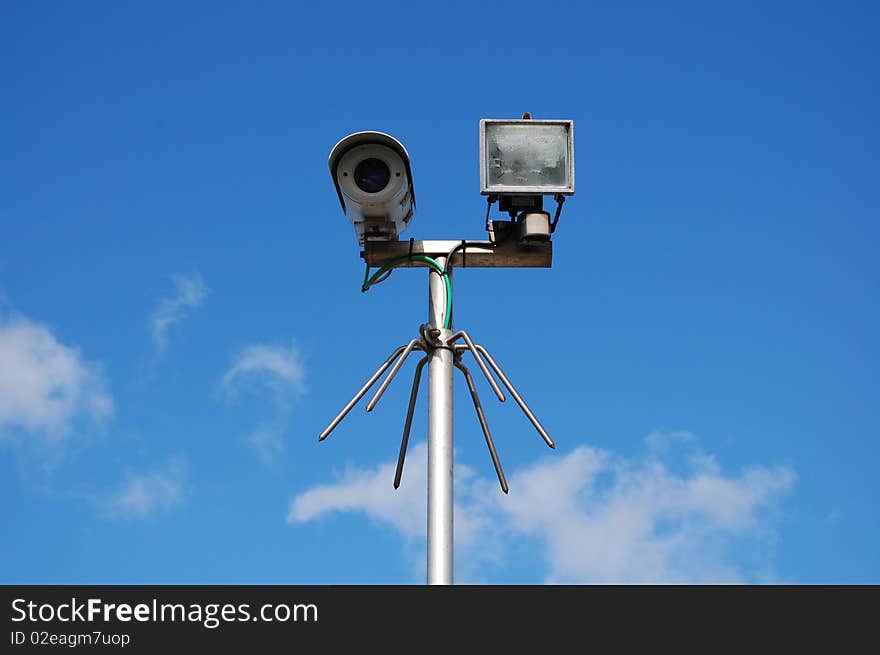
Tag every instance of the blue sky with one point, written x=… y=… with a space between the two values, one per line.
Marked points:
x=181 y=315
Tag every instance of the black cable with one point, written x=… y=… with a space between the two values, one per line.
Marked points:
x=459 y=246
x=489 y=201
x=493 y=243
x=560 y=199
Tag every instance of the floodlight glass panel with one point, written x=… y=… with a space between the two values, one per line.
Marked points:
x=527 y=157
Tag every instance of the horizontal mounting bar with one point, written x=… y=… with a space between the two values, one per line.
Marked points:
x=477 y=254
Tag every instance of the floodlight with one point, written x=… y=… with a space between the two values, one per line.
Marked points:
x=521 y=161
x=526 y=157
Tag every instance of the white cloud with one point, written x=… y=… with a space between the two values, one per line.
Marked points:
x=276 y=368
x=598 y=517
x=371 y=491
x=641 y=523
x=660 y=441
x=269 y=444
x=190 y=292
x=46 y=387
x=143 y=494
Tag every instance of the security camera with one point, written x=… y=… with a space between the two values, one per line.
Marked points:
x=373 y=179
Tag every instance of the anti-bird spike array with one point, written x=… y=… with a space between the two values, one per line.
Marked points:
x=426 y=342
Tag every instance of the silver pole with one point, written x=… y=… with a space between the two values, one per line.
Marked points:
x=439 y=439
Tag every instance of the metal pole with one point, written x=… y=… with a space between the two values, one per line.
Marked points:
x=439 y=439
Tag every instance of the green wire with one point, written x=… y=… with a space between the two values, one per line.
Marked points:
x=369 y=281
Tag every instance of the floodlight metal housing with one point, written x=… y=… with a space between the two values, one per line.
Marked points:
x=373 y=179
x=526 y=157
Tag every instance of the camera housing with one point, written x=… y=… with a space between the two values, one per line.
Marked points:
x=373 y=179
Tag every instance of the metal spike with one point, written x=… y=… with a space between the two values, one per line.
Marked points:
x=516 y=397
x=360 y=394
x=413 y=396
x=467 y=339
x=492 y=452
x=375 y=399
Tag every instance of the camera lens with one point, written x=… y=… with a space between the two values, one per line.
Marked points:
x=372 y=175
